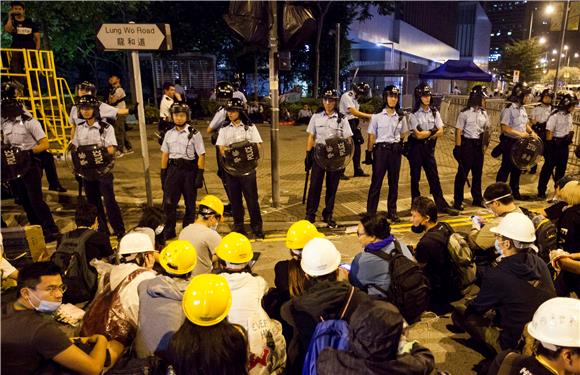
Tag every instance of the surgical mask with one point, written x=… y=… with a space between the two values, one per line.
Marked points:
x=418 y=228
x=214 y=227
x=498 y=248
x=45 y=306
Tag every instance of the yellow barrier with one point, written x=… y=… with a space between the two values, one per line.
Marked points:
x=45 y=94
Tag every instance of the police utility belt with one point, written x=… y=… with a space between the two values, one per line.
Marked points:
x=394 y=146
x=474 y=141
x=185 y=164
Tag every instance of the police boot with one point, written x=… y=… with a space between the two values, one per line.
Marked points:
x=329 y=221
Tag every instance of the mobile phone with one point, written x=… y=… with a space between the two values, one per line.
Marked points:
x=476 y=220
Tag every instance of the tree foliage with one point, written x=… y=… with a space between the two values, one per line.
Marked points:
x=522 y=55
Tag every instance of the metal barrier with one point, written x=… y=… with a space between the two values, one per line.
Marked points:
x=44 y=93
x=453 y=104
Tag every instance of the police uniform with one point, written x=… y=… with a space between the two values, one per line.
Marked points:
x=473 y=124
x=102 y=189
x=238 y=185
x=422 y=155
x=25 y=132
x=514 y=116
x=348 y=100
x=556 y=150
x=184 y=148
x=540 y=115
x=164 y=117
x=387 y=129
x=215 y=125
x=322 y=127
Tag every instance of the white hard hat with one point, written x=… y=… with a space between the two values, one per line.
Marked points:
x=516 y=226
x=557 y=323
x=135 y=242
x=319 y=257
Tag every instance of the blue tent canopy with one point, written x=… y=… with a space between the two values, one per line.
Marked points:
x=458 y=70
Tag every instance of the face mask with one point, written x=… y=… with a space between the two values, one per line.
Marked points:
x=498 y=248
x=45 y=306
x=214 y=227
x=418 y=228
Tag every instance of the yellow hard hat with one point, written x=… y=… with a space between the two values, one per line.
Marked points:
x=235 y=248
x=300 y=233
x=178 y=258
x=214 y=203
x=207 y=299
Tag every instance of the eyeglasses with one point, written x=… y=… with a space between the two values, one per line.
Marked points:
x=487 y=203
x=53 y=289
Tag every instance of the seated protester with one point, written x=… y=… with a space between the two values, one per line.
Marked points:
x=207 y=343
x=235 y=261
x=556 y=328
x=203 y=235
x=554 y=211
x=114 y=312
x=88 y=241
x=154 y=218
x=569 y=222
x=31 y=339
x=432 y=252
x=498 y=198
x=514 y=288
x=289 y=278
x=567 y=267
x=304 y=115
x=370 y=272
x=160 y=313
x=324 y=297
x=377 y=346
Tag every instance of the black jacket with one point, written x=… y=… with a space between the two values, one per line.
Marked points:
x=322 y=299
x=374 y=334
x=509 y=289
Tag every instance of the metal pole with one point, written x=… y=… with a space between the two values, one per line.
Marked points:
x=565 y=21
x=273 y=67
x=531 y=24
x=142 y=127
x=337 y=74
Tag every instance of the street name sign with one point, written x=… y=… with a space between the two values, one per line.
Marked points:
x=135 y=36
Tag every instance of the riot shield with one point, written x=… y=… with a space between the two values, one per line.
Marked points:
x=15 y=162
x=526 y=151
x=334 y=154
x=485 y=138
x=90 y=162
x=241 y=158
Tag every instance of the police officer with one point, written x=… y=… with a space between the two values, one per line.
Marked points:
x=540 y=116
x=169 y=96
x=472 y=123
x=322 y=126
x=514 y=125
x=559 y=136
x=426 y=126
x=224 y=91
x=182 y=165
x=238 y=132
x=91 y=129
x=386 y=133
x=21 y=131
x=350 y=108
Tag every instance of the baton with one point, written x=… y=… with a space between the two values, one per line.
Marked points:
x=305 y=186
x=204 y=185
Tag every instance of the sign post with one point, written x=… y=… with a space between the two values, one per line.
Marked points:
x=516 y=77
x=137 y=37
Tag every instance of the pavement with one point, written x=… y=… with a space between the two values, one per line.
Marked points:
x=452 y=351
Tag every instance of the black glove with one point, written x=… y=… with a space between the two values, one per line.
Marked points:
x=405 y=149
x=309 y=160
x=368 y=157
x=433 y=131
x=199 y=179
x=134 y=110
x=163 y=178
x=457 y=153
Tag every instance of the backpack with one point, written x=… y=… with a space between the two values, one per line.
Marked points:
x=332 y=333
x=409 y=289
x=461 y=259
x=546 y=234
x=80 y=279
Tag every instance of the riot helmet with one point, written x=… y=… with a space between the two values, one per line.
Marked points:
x=476 y=96
x=224 y=90
x=391 y=90
x=519 y=92
x=361 y=88
x=11 y=106
x=180 y=108
x=88 y=101
x=422 y=90
x=86 y=88
x=330 y=93
x=235 y=105
x=566 y=102
x=547 y=92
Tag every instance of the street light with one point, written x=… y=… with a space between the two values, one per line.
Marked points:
x=542 y=40
x=549 y=10
x=554 y=52
x=576 y=55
